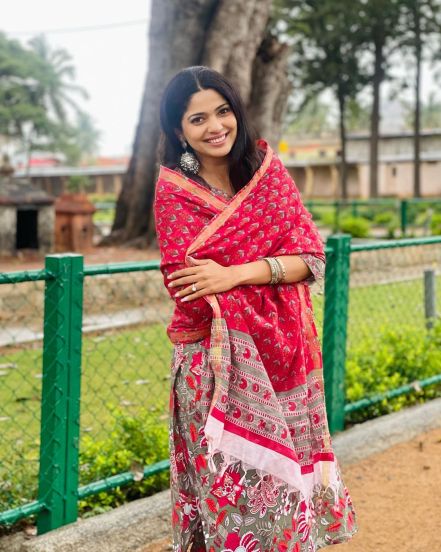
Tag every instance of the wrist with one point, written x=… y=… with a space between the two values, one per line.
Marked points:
x=239 y=274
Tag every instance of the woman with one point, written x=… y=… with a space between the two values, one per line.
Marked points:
x=252 y=467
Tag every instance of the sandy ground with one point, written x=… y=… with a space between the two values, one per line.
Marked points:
x=397 y=496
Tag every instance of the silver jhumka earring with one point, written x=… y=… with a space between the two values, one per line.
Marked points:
x=188 y=161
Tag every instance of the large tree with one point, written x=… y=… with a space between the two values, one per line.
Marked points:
x=231 y=36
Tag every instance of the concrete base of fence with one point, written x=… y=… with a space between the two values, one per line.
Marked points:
x=132 y=527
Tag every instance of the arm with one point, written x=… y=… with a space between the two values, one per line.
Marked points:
x=211 y=277
x=258 y=272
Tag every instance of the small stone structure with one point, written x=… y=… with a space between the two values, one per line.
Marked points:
x=27 y=217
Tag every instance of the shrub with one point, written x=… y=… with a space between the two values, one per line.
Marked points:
x=386 y=217
x=358 y=227
x=135 y=442
x=398 y=357
x=435 y=225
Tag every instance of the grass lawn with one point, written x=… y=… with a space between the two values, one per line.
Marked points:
x=130 y=368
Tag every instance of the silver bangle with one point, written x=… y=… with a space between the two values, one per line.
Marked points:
x=276 y=271
x=282 y=269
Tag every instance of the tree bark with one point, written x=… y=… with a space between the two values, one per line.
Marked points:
x=343 y=163
x=223 y=34
x=177 y=36
x=271 y=89
x=375 y=116
x=417 y=116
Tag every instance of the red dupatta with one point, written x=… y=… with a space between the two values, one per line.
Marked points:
x=268 y=406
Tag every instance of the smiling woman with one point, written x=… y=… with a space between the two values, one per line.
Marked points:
x=252 y=465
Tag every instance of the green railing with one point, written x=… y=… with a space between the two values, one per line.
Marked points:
x=64 y=276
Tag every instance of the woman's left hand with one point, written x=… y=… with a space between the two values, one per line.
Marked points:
x=207 y=276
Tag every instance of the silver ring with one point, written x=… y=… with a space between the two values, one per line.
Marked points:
x=193 y=288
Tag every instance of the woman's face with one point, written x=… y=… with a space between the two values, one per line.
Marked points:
x=209 y=125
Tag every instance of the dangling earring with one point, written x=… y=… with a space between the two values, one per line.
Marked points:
x=188 y=161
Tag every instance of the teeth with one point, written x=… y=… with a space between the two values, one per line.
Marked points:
x=217 y=140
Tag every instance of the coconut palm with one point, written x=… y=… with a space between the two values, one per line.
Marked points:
x=57 y=75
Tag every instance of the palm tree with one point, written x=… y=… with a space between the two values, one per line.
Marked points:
x=57 y=75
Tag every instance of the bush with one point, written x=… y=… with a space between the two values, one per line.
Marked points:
x=135 y=442
x=435 y=225
x=386 y=217
x=132 y=444
x=358 y=227
x=398 y=357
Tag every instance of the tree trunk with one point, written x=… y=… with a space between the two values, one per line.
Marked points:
x=223 y=34
x=177 y=36
x=271 y=89
x=343 y=163
x=417 y=117
x=375 y=116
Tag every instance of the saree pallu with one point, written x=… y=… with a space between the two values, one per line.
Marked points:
x=266 y=409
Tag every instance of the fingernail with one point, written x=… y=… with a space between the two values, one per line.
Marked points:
x=176 y=294
x=185 y=299
x=171 y=284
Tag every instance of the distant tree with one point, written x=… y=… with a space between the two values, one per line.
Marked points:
x=430 y=117
x=380 y=28
x=35 y=88
x=421 y=25
x=311 y=119
x=56 y=79
x=327 y=45
x=358 y=116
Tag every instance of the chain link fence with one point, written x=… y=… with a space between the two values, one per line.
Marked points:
x=105 y=357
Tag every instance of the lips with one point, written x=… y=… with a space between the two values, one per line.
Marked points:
x=216 y=140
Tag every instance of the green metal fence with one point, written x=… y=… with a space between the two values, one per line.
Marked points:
x=103 y=346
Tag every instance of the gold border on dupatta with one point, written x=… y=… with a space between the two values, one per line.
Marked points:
x=191 y=186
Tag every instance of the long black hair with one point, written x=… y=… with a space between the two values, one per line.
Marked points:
x=244 y=158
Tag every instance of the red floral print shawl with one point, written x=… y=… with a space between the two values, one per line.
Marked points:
x=268 y=406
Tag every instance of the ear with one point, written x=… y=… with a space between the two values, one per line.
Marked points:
x=180 y=136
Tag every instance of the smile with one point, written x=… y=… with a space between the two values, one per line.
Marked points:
x=218 y=139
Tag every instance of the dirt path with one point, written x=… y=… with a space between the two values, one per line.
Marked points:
x=397 y=499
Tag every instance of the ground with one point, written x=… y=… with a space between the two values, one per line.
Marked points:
x=99 y=255
x=396 y=496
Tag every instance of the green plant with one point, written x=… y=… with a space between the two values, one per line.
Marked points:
x=77 y=183
x=435 y=225
x=386 y=217
x=358 y=227
x=399 y=356
x=134 y=443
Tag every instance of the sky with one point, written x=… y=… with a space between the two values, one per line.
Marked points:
x=111 y=62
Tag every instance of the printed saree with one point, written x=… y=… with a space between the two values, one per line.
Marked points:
x=266 y=406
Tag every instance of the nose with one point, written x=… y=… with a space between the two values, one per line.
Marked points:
x=214 y=125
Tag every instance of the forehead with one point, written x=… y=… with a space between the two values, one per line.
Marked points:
x=204 y=101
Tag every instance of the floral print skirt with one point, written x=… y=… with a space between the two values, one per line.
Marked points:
x=235 y=508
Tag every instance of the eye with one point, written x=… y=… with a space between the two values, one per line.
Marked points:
x=224 y=110
x=196 y=120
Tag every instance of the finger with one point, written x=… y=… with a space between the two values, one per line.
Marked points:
x=183 y=281
x=199 y=261
x=186 y=291
x=200 y=293
x=182 y=272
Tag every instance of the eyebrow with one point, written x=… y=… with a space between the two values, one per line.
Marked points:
x=217 y=109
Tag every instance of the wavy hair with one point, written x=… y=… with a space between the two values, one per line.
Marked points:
x=244 y=158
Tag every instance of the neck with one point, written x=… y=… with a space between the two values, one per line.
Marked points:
x=216 y=171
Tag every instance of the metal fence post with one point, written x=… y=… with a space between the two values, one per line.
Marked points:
x=334 y=328
x=403 y=211
x=60 y=405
